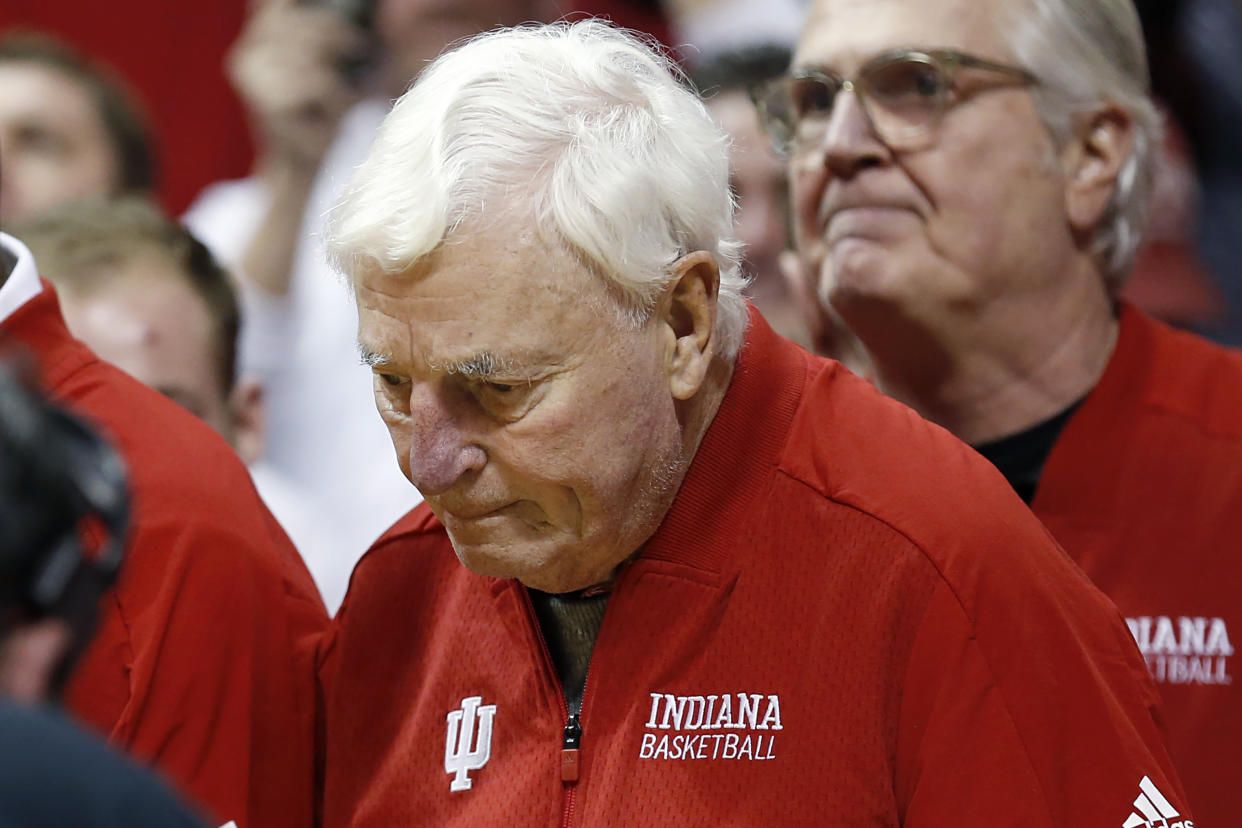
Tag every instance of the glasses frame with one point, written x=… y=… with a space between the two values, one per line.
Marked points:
x=782 y=131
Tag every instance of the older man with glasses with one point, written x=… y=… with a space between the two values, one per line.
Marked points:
x=970 y=181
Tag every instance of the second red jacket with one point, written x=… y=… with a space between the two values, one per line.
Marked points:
x=1144 y=490
x=203 y=660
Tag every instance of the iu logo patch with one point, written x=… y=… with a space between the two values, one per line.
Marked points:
x=463 y=751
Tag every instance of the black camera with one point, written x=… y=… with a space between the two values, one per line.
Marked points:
x=64 y=512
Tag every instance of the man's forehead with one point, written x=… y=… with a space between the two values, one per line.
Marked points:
x=502 y=300
x=458 y=337
x=842 y=34
x=32 y=80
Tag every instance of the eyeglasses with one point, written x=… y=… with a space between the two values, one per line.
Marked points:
x=904 y=95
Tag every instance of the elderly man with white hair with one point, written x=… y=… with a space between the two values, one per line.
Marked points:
x=970 y=182
x=672 y=569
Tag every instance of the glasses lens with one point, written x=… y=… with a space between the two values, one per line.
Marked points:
x=811 y=97
x=908 y=94
x=775 y=114
x=811 y=100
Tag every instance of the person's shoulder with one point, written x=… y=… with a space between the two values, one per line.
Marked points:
x=175 y=461
x=415 y=526
x=413 y=554
x=416 y=533
x=194 y=503
x=930 y=501
x=861 y=449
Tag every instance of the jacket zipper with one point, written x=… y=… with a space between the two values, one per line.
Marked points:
x=571 y=739
x=571 y=745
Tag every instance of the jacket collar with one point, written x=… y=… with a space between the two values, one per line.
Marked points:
x=30 y=320
x=738 y=456
x=22 y=283
x=1091 y=442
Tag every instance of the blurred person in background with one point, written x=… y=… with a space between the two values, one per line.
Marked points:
x=757 y=175
x=63 y=517
x=148 y=297
x=317 y=79
x=1194 y=48
x=68 y=129
x=203 y=662
x=1169 y=279
x=707 y=29
x=762 y=191
x=970 y=204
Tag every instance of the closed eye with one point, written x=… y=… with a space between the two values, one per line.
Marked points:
x=506 y=400
x=392 y=379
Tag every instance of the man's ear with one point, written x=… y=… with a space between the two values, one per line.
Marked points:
x=246 y=409
x=1092 y=162
x=688 y=313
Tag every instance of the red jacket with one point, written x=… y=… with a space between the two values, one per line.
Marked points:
x=1144 y=489
x=846 y=618
x=203 y=662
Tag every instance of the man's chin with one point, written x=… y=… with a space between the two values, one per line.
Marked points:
x=495 y=560
x=534 y=568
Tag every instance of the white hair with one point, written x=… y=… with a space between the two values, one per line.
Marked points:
x=577 y=129
x=1087 y=53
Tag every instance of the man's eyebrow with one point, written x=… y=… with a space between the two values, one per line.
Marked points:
x=370 y=358
x=477 y=366
x=481 y=366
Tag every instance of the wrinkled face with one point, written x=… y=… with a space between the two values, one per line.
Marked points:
x=976 y=215
x=53 y=145
x=149 y=322
x=539 y=427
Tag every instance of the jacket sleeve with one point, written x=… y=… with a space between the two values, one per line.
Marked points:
x=1028 y=708
x=212 y=647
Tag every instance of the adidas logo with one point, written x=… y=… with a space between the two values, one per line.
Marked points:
x=1152 y=810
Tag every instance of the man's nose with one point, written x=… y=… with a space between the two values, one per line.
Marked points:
x=850 y=142
x=440 y=450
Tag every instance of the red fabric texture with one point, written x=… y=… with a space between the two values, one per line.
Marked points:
x=204 y=659
x=935 y=659
x=1144 y=490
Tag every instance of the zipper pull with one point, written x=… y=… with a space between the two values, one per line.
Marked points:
x=569 y=749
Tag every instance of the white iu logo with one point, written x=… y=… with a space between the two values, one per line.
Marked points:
x=459 y=757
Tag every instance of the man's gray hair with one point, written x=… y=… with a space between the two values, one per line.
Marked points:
x=579 y=130
x=1087 y=53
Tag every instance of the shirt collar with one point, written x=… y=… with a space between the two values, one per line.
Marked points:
x=23 y=283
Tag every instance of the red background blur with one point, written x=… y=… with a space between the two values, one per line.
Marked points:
x=172 y=54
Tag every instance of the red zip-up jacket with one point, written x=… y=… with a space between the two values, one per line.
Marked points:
x=1144 y=489
x=846 y=618
x=203 y=662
